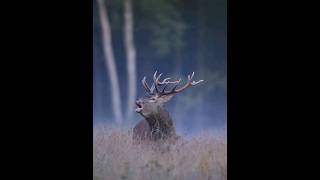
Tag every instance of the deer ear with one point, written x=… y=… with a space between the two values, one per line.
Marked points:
x=166 y=98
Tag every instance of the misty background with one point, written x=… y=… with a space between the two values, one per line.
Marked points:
x=175 y=37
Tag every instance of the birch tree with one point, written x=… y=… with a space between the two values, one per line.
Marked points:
x=131 y=56
x=110 y=61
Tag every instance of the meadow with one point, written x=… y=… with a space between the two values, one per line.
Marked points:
x=200 y=157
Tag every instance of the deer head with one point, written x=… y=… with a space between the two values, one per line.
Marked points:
x=158 y=94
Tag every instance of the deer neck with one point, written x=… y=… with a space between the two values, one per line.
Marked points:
x=161 y=123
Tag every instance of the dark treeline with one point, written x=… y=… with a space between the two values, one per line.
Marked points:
x=175 y=37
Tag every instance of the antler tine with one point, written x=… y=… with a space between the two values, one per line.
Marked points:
x=163 y=81
x=145 y=85
x=188 y=84
x=194 y=82
x=164 y=88
x=155 y=80
x=192 y=75
x=166 y=81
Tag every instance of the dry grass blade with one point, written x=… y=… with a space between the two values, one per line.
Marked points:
x=116 y=157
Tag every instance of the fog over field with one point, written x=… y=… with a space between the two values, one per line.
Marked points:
x=132 y=40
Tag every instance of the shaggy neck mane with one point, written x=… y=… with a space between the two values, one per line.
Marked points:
x=161 y=124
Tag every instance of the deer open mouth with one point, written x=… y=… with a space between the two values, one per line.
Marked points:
x=139 y=107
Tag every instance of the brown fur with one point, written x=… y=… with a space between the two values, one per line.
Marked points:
x=157 y=123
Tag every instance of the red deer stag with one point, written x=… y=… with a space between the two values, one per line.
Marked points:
x=157 y=123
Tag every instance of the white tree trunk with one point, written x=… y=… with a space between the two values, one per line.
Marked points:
x=110 y=62
x=131 y=56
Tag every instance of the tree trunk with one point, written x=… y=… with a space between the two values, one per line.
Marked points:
x=110 y=62
x=131 y=56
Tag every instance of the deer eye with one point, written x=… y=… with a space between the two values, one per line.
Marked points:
x=153 y=99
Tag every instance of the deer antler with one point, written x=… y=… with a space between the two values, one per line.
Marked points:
x=188 y=84
x=145 y=85
x=165 y=82
x=154 y=85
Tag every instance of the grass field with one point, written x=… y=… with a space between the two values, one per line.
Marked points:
x=201 y=157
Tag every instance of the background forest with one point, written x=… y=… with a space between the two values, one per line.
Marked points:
x=134 y=38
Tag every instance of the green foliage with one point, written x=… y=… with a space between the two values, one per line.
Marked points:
x=116 y=14
x=163 y=19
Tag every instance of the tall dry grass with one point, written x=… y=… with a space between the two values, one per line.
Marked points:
x=115 y=156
